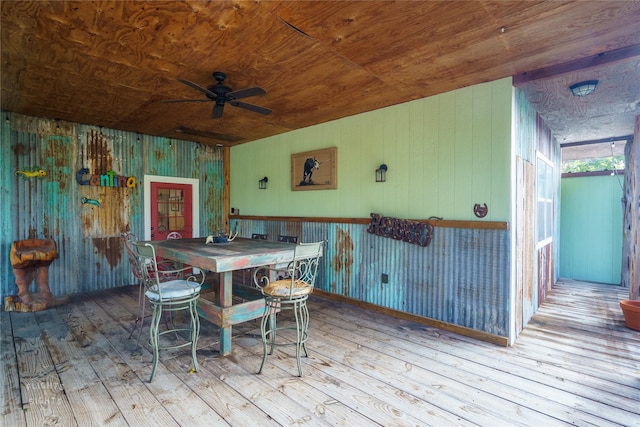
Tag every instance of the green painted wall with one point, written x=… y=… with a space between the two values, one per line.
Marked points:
x=591 y=229
x=445 y=153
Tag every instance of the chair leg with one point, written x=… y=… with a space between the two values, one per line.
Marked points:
x=301 y=314
x=195 y=333
x=268 y=329
x=305 y=316
x=272 y=331
x=268 y=333
x=139 y=323
x=144 y=300
x=154 y=337
x=263 y=334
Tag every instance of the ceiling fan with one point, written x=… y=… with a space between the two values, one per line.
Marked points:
x=222 y=94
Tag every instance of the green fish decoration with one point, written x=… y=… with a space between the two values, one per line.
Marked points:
x=92 y=202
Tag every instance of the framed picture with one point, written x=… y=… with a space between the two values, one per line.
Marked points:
x=314 y=170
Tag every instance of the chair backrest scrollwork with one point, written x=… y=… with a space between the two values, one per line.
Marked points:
x=302 y=268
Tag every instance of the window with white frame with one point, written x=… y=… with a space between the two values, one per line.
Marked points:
x=544 y=206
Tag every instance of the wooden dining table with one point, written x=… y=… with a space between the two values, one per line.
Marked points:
x=224 y=258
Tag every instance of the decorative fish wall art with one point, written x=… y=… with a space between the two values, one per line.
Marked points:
x=35 y=173
x=92 y=202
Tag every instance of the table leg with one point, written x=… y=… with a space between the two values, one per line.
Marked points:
x=225 y=299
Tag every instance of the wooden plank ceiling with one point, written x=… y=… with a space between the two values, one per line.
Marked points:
x=111 y=63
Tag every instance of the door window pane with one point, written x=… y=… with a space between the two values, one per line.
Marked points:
x=171 y=209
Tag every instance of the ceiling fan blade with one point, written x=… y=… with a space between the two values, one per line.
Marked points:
x=250 y=107
x=168 y=101
x=245 y=93
x=198 y=87
x=216 y=113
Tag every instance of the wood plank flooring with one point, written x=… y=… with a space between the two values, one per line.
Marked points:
x=574 y=364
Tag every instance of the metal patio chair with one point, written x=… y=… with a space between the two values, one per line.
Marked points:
x=169 y=296
x=289 y=294
x=168 y=271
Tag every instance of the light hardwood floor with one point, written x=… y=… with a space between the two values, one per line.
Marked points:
x=575 y=363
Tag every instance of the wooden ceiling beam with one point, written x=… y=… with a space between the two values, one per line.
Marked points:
x=597 y=60
x=627 y=138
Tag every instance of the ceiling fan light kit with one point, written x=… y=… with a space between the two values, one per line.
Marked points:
x=222 y=94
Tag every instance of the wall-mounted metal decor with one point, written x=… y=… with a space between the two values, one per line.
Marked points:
x=91 y=202
x=480 y=210
x=108 y=179
x=419 y=233
x=314 y=170
x=35 y=173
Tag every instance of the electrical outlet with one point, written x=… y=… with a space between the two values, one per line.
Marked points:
x=384 y=278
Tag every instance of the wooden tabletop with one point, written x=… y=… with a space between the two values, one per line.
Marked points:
x=239 y=254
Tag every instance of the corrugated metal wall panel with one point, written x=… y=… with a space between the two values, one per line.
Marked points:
x=315 y=232
x=461 y=278
x=91 y=253
x=273 y=229
x=208 y=166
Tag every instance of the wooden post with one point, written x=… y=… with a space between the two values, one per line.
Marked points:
x=631 y=221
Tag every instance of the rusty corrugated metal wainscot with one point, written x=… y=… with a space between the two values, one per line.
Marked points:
x=461 y=278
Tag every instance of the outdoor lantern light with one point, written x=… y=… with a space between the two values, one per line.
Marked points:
x=262 y=184
x=583 y=88
x=381 y=173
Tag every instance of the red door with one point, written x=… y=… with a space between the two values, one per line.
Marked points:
x=171 y=210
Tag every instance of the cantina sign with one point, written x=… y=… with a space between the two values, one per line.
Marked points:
x=419 y=233
x=108 y=179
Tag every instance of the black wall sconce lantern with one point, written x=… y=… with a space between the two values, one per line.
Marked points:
x=262 y=184
x=381 y=173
